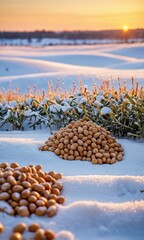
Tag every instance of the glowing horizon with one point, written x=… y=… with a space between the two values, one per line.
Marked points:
x=57 y=15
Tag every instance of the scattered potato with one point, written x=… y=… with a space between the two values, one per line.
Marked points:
x=1 y=227
x=29 y=190
x=84 y=140
x=16 y=236
x=39 y=234
x=33 y=227
x=20 y=228
x=50 y=235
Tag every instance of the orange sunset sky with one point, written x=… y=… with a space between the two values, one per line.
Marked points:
x=70 y=14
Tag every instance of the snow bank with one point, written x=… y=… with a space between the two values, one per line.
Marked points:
x=102 y=188
x=90 y=220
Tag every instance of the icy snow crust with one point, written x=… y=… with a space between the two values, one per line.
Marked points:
x=103 y=201
x=25 y=66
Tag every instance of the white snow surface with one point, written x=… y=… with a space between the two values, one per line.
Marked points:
x=24 y=66
x=103 y=201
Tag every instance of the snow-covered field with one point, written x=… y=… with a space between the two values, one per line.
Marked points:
x=103 y=201
x=25 y=66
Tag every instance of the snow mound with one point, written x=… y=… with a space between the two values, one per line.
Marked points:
x=104 y=188
x=103 y=220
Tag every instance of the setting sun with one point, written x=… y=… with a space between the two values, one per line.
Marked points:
x=125 y=28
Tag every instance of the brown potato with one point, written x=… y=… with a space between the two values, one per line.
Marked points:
x=74 y=146
x=26 y=184
x=80 y=130
x=1 y=228
x=14 y=165
x=50 y=202
x=60 y=199
x=46 y=185
x=52 y=211
x=24 y=169
x=50 y=235
x=41 y=211
x=4 y=196
x=23 y=202
x=17 y=188
x=38 y=187
x=32 y=180
x=94 y=161
x=14 y=204
x=57 y=151
x=11 y=180
x=86 y=132
x=4 y=165
x=58 y=185
x=71 y=157
x=39 y=234
x=38 y=167
x=61 y=146
x=20 y=228
x=119 y=157
x=99 y=155
x=58 y=176
x=25 y=193
x=23 y=211
x=32 y=207
x=52 y=174
x=16 y=236
x=5 y=186
x=33 y=227
x=2 y=180
x=22 y=177
x=40 y=203
x=32 y=199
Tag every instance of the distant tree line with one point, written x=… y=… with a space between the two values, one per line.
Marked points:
x=73 y=35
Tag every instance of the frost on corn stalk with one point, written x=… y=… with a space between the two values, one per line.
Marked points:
x=79 y=110
x=8 y=114
x=54 y=108
x=105 y=110
x=95 y=111
x=126 y=109
x=83 y=101
x=100 y=98
x=98 y=104
x=13 y=104
x=29 y=101
x=66 y=100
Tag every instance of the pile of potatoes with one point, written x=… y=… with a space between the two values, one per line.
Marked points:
x=29 y=190
x=84 y=140
x=39 y=232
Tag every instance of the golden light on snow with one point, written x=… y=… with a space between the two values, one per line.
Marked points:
x=125 y=28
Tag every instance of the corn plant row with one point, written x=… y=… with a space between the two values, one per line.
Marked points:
x=121 y=114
